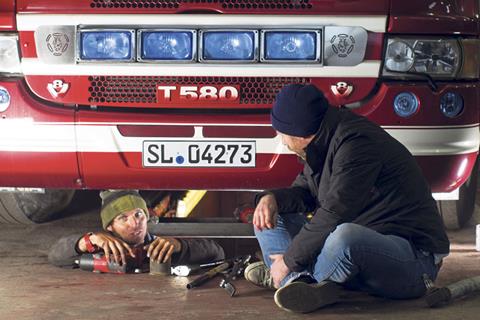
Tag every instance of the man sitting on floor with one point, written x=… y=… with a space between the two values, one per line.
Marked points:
x=375 y=225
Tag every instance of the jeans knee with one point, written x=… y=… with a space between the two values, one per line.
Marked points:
x=265 y=233
x=344 y=237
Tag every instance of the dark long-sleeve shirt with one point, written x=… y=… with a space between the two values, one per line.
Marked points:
x=356 y=172
x=194 y=251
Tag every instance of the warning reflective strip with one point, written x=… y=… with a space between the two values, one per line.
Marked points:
x=431 y=142
x=28 y=136
x=472 y=125
x=30 y=22
x=24 y=136
x=33 y=66
x=454 y=195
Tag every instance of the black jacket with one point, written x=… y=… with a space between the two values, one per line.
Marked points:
x=194 y=251
x=356 y=172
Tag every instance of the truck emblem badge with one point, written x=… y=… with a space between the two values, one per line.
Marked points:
x=342 y=89
x=342 y=44
x=57 y=88
x=57 y=43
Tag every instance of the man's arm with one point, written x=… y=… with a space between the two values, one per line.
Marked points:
x=268 y=204
x=196 y=251
x=355 y=170
x=296 y=198
x=64 y=252
x=68 y=249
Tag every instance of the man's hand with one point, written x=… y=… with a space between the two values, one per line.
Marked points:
x=278 y=270
x=265 y=215
x=112 y=246
x=161 y=249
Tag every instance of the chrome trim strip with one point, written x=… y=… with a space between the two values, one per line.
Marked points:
x=366 y=69
x=31 y=21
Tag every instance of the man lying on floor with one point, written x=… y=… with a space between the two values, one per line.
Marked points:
x=124 y=216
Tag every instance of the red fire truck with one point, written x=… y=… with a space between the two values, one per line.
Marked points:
x=175 y=94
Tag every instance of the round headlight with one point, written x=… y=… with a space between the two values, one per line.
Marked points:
x=405 y=104
x=451 y=104
x=437 y=57
x=399 y=56
x=4 y=99
x=9 y=56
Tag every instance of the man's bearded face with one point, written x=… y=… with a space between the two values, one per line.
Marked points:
x=130 y=226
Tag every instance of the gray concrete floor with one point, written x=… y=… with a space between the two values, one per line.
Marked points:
x=32 y=289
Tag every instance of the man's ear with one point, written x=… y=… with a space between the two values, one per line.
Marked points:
x=109 y=228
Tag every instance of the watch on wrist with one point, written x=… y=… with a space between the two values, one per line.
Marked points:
x=88 y=243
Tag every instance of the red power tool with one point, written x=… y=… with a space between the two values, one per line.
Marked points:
x=97 y=262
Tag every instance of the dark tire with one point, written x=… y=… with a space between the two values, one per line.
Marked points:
x=457 y=213
x=28 y=208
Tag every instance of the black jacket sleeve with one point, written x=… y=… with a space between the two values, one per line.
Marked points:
x=356 y=166
x=197 y=251
x=294 y=199
x=63 y=253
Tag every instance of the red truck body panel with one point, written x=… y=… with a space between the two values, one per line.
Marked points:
x=434 y=17
x=83 y=125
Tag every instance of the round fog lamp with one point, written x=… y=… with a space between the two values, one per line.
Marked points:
x=4 y=99
x=451 y=104
x=405 y=104
x=400 y=56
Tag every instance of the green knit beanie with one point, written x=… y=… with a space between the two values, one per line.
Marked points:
x=116 y=202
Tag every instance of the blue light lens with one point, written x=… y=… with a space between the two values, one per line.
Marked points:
x=290 y=46
x=106 y=45
x=220 y=45
x=451 y=104
x=4 y=99
x=405 y=104
x=167 y=45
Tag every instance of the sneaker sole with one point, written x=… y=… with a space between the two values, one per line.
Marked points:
x=304 y=298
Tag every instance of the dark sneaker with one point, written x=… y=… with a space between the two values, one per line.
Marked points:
x=302 y=297
x=258 y=274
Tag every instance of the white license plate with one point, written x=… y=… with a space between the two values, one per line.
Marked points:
x=198 y=153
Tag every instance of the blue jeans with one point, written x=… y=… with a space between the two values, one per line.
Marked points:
x=357 y=257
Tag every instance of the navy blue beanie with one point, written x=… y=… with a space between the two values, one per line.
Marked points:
x=298 y=110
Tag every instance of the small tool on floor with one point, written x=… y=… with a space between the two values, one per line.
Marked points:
x=230 y=269
x=239 y=265
x=186 y=270
x=209 y=275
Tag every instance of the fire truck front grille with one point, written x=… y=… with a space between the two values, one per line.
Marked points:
x=225 y=4
x=124 y=90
